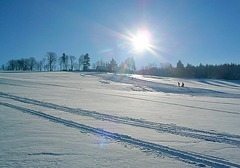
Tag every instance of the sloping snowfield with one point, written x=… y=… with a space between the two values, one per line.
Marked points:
x=88 y=119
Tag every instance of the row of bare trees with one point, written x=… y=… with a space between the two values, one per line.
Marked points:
x=128 y=66
x=23 y=64
x=69 y=63
x=49 y=63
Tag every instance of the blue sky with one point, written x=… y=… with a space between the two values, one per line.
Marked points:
x=193 y=31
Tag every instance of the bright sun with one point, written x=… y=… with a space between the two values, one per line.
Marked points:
x=141 y=41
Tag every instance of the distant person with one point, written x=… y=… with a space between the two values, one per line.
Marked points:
x=182 y=84
x=178 y=84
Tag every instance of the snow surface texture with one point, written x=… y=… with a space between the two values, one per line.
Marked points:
x=70 y=119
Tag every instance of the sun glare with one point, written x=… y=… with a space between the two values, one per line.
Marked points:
x=141 y=41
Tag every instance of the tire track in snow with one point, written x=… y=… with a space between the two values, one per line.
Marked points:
x=160 y=127
x=188 y=157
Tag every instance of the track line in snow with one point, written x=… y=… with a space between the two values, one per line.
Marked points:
x=160 y=127
x=47 y=84
x=188 y=157
x=144 y=99
x=31 y=82
x=51 y=154
x=203 y=101
x=175 y=104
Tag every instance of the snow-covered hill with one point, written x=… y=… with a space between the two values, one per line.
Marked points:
x=88 y=119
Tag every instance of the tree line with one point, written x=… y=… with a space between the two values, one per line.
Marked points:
x=127 y=66
x=49 y=63
x=224 y=71
x=65 y=62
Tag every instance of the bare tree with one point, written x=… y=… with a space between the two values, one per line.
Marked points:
x=11 y=65
x=38 y=65
x=44 y=64
x=130 y=65
x=66 y=62
x=21 y=63
x=32 y=63
x=94 y=66
x=25 y=64
x=101 y=63
x=51 y=58
x=76 y=66
x=72 y=59
x=60 y=61
x=80 y=61
x=41 y=64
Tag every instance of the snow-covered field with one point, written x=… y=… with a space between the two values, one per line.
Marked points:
x=88 y=119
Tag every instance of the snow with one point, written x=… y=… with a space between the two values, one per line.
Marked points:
x=89 y=119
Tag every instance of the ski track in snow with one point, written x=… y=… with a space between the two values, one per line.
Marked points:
x=103 y=80
x=175 y=104
x=188 y=157
x=51 y=154
x=130 y=97
x=160 y=127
